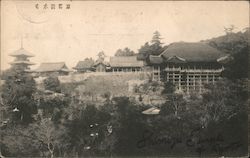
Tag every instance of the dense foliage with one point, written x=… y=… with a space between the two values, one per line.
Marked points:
x=212 y=124
x=52 y=83
x=125 y=52
x=154 y=47
x=237 y=46
x=17 y=93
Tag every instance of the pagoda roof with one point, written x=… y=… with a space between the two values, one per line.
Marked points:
x=50 y=67
x=22 y=62
x=21 y=52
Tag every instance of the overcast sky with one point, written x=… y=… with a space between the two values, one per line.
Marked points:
x=88 y=27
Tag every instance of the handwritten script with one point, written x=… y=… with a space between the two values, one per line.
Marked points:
x=216 y=143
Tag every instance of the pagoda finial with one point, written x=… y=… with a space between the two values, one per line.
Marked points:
x=22 y=41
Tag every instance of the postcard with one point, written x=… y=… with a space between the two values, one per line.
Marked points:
x=124 y=78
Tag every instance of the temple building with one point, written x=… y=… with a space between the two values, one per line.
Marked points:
x=101 y=66
x=84 y=66
x=125 y=64
x=21 y=62
x=57 y=69
x=188 y=65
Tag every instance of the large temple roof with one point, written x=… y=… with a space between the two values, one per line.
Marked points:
x=21 y=52
x=192 y=52
x=50 y=67
x=125 y=61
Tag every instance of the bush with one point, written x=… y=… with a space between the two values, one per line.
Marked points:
x=53 y=84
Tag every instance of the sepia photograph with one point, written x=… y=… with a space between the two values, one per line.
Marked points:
x=124 y=79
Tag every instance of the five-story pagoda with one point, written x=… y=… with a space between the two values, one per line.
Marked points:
x=21 y=61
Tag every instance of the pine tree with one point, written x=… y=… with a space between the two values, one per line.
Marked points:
x=152 y=48
x=156 y=45
x=156 y=39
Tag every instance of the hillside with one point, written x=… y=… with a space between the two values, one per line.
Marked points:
x=236 y=45
x=94 y=87
x=231 y=43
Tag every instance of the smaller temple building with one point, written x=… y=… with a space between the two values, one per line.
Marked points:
x=125 y=64
x=84 y=66
x=101 y=66
x=58 y=69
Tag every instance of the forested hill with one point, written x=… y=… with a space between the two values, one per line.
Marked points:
x=235 y=44
x=231 y=42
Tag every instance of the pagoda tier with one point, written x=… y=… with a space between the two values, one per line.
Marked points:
x=21 y=52
x=21 y=61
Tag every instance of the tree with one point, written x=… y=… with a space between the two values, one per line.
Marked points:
x=237 y=67
x=154 y=48
x=87 y=130
x=5 y=74
x=169 y=88
x=51 y=137
x=175 y=102
x=236 y=45
x=125 y=52
x=42 y=138
x=144 y=52
x=224 y=100
x=156 y=43
x=128 y=124
x=52 y=83
x=54 y=108
x=156 y=39
x=17 y=95
x=90 y=60
x=17 y=142
x=101 y=55
x=229 y=30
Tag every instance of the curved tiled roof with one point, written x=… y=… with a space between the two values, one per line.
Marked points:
x=192 y=52
x=153 y=59
x=125 y=61
x=48 y=67
x=21 y=52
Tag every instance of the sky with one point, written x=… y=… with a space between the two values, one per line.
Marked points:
x=89 y=27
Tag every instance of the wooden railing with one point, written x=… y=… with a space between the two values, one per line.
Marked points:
x=193 y=70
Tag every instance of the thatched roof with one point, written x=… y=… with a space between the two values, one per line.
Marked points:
x=21 y=52
x=125 y=61
x=192 y=52
x=86 y=64
x=50 y=67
